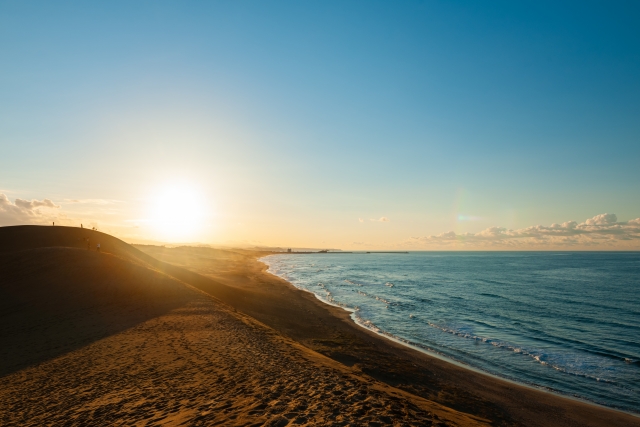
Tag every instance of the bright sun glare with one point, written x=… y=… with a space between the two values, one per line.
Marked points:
x=178 y=213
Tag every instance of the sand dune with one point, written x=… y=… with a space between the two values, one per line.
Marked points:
x=54 y=300
x=111 y=339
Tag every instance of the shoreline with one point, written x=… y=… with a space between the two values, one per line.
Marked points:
x=471 y=368
x=388 y=336
x=239 y=279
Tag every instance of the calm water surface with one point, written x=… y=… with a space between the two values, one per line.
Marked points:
x=569 y=322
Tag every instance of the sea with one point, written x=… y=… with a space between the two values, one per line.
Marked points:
x=566 y=322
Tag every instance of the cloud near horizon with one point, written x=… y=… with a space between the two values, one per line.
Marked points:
x=382 y=219
x=25 y=211
x=601 y=230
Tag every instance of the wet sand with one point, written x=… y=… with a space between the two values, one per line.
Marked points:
x=239 y=279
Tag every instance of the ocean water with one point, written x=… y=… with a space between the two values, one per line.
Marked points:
x=567 y=322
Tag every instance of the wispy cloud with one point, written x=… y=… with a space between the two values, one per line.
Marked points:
x=601 y=230
x=33 y=204
x=92 y=201
x=381 y=219
x=364 y=244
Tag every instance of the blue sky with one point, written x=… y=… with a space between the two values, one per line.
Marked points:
x=293 y=121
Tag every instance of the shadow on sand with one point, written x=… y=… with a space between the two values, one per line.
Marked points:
x=55 y=300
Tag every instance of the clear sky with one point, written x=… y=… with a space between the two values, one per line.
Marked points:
x=344 y=124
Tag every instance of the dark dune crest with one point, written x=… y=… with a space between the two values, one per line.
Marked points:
x=23 y=237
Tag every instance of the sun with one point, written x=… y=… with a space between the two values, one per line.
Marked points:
x=178 y=213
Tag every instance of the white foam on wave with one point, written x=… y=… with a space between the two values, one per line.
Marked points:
x=568 y=363
x=375 y=297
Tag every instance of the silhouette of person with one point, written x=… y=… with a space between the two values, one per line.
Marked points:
x=98 y=247
x=81 y=226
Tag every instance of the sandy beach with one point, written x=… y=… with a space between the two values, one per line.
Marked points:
x=330 y=331
x=149 y=335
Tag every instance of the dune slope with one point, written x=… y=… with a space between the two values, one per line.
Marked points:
x=53 y=300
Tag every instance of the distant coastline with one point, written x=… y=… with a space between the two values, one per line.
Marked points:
x=338 y=252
